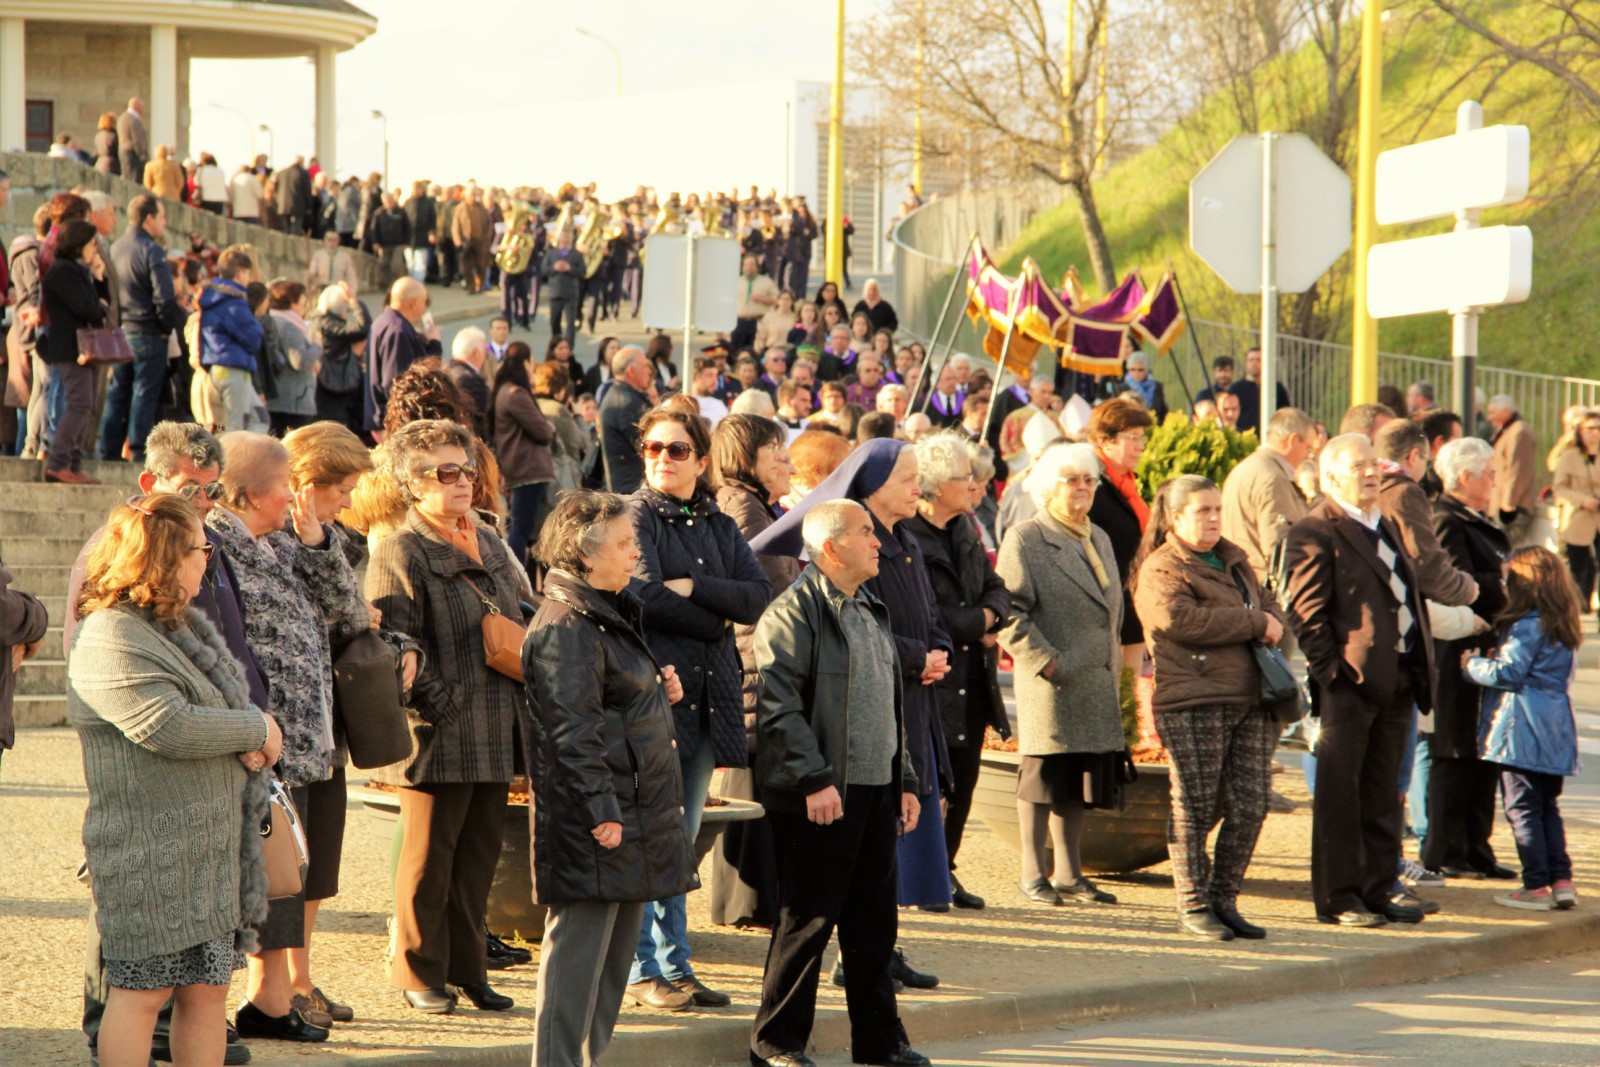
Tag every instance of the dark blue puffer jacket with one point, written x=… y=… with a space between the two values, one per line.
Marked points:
x=229 y=335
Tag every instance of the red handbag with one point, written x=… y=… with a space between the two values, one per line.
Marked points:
x=104 y=344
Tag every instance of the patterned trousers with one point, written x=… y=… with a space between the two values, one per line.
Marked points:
x=1221 y=772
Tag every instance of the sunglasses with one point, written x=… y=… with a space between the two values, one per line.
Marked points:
x=677 y=451
x=210 y=492
x=205 y=550
x=451 y=473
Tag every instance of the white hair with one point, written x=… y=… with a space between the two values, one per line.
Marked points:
x=1502 y=402
x=826 y=522
x=942 y=458
x=1461 y=457
x=892 y=390
x=753 y=402
x=1286 y=422
x=469 y=340
x=98 y=201
x=1055 y=462
x=333 y=300
x=1338 y=459
x=960 y=359
x=1139 y=359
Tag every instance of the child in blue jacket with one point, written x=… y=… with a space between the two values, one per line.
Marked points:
x=1526 y=724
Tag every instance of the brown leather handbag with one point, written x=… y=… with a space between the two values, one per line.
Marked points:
x=502 y=638
x=104 y=344
x=283 y=845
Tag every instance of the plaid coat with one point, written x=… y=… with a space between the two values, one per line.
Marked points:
x=465 y=718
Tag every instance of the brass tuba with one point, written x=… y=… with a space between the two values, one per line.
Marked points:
x=591 y=241
x=516 y=247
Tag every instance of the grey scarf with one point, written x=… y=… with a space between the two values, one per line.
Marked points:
x=204 y=647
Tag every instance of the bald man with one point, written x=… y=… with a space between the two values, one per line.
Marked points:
x=133 y=142
x=396 y=342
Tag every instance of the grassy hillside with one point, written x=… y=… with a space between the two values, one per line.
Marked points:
x=1429 y=69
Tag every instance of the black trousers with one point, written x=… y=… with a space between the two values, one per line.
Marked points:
x=1581 y=562
x=840 y=875
x=1461 y=808
x=1357 y=820
x=565 y=309
x=966 y=759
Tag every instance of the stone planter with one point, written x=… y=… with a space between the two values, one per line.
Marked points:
x=1114 y=842
x=511 y=906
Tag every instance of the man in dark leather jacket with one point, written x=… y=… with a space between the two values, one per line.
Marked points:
x=832 y=771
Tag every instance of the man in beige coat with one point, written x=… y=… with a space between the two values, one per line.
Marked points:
x=1260 y=500
x=1514 y=483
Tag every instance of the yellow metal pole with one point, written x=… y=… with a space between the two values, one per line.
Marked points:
x=1068 y=66
x=1364 y=328
x=1100 y=96
x=916 y=118
x=834 y=269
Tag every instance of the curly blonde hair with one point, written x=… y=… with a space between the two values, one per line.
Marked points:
x=138 y=559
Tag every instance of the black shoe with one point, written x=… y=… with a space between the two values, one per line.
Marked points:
x=233 y=1056
x=485 y=998
x=838 y=976
x=902 y=972
x=782 y=1059
x=501 y=955
x=1204 y=925
x=433 y=1001
x=1407 y=898
x=937 y=909
x=1402 y=913
x=1040 y=892
x=1466 y=873
x=1499 y=873
x=1355 y=917
x=903 y=1056
x=253 y=1022
x=1083 y=891
x=963 y=899
x=703 y=996
x=1239 y=924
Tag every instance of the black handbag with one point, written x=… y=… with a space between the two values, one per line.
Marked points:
x=369 y=701
x=1280 y=692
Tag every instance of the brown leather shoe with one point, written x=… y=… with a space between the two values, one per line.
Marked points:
x=69 y=477
x=658 y=993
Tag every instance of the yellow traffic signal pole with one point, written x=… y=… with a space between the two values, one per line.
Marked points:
x=834 y=268
x=916 y=118
x=1364 y=328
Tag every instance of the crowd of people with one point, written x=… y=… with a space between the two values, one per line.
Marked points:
x=800 y=563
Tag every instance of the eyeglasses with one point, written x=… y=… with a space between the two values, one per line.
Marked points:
x=451 y=473
x=677 y=451
x=1078 y=479
x=213 y=491
x=205 y=550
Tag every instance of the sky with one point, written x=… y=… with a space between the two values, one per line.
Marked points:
x=439 y=79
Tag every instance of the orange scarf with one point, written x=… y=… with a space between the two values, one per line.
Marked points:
x=1128 y=486
x=463 y=535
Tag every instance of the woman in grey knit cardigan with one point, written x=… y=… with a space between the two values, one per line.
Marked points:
x=175 y=759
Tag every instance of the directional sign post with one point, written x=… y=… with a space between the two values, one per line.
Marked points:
x=1471 y=268
x=690 y=283
x=1270 y=214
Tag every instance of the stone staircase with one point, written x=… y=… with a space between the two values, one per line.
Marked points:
x=42 y=530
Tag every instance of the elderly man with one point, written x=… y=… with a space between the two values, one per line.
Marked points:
x=944 y=406
x=1402 y=451
x=1355 y=603
x=620 y=412
x=563 y=270
x=893 y=400
x=393 y=346
x=832 y=770
x=181 y=458
x=133 y=140
x=757 y=295
x=1260 y=500
x=1366 y=419
x=468 y=352
x=1514 y=481
x=330 y=265
x=1419 y=399
x=774 y=369
x=869 y=379
x=472 y=229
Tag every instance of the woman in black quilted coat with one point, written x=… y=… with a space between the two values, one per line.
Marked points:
x=697 y=579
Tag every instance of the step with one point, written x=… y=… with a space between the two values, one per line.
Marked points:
x=78 y=525
x=40 y=551
x=50 y=646
x=32 y=470
x=41 y=581
x=42 y=677
x=55 y=606
x=40 y=710
x=87 y=499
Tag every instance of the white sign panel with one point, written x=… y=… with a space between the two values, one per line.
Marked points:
x=1477 y=169
x=1450 y=272
x=1313 y=213
x=716 y=281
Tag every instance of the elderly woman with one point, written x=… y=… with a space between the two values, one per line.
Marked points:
x=973 y=605
x=1139 y=379
x=1117 y=431
x=175 y=757
x=1203 y=609
x=751 y=461
x=299 y=594
x=1461 y=787
x=436 y=578
x=1064 y=639
x=340 y=325
x=881 y=475
x=296 y=401
x=602 y=715
x=698 y=580
x=1576 y=486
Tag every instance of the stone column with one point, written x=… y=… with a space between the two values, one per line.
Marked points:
x=327 y=108
x=13 y=85
x=163 y=119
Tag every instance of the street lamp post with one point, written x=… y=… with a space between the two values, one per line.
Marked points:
x=272 y=145
x=615 y=55
x=381 y=117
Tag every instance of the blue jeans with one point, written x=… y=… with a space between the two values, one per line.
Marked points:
x=663 y=950
x=1533 y=808
x=525 y=502
x=1417 y=795
x=55 y=405
x=133 y=395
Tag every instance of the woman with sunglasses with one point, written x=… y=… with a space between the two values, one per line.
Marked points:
x=435 y=579
x=298 y=591
x=698 y=579
x=175 y=755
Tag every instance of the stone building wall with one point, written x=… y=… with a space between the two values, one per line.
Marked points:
x=86 y=69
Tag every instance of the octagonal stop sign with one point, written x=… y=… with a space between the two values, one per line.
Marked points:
x=1312 y=211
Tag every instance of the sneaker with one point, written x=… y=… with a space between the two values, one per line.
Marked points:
x=1527 y=899
x=1407 y=899
x=1565 y=896
x=1413 y=873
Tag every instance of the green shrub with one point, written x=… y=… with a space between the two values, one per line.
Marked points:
x=1178 y=446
